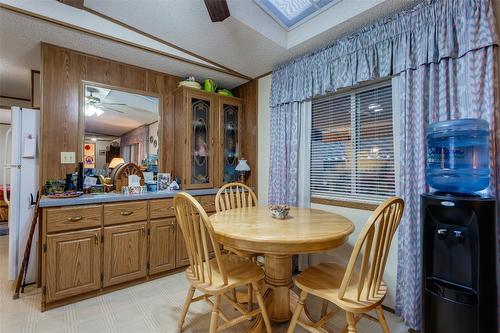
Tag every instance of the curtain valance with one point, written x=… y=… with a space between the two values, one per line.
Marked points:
x=425 y=34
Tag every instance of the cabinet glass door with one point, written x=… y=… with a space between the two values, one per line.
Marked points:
x=200 y=171
x=231 y=142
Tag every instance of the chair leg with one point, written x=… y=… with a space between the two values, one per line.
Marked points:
x=235 y=298
x=262 y=306
x=185 y=307
x=250 y=297
x=298 y=310
x=351 y=323
x=381 y=319
x=215 y=315
x=324 y=308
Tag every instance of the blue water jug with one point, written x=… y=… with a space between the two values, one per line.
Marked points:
x=458 y=155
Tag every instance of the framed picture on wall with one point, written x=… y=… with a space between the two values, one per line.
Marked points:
x=163 y=181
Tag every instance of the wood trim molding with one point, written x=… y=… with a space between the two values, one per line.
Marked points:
x=33 y=72
x=262 y=75
x=114 y=39
x=17 y=98
x=342 y=203
x=162 y=41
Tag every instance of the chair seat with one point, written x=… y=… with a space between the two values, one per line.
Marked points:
x=324 y=281
x=240 y=271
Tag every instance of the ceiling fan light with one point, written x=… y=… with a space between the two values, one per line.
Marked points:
x=91 y=110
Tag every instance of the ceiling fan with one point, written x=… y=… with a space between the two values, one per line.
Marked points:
x=217 y=9
x=91 y=100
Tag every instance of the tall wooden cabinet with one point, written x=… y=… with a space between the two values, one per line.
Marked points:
x=207 y=134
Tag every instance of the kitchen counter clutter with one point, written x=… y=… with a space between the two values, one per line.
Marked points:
x=116 y=197
x=94 y=244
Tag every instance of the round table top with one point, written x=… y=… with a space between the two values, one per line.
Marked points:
x=305 y=230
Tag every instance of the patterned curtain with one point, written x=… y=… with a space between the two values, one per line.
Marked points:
x=429 y=33
x=445 y=54
x=451 y=89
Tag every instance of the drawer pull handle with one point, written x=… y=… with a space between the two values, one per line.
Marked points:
x=143 y=231
x=126 y=213
x=96 y=238
x=75 y=218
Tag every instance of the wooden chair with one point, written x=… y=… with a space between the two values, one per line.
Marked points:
x=237 y=195
x=218 y=276
x=356 y=291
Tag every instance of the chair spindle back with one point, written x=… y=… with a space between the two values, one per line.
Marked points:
x=234 y=195
x=372 y=249
x=198 y=235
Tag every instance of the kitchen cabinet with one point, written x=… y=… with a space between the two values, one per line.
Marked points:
x=207 y=132
x=162 y=246
x=73 y=262
x=125 y=249
x=230 y=110
x=91 y=249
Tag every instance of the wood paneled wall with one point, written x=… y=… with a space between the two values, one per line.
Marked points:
x=249 y=93
x=63 y=71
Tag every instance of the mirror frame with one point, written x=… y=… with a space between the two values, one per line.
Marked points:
x=81 y=116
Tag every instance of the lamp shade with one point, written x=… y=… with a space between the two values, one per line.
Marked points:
x=115 y=162
x=242 y=165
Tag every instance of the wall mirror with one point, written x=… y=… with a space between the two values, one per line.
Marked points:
x=120 y=127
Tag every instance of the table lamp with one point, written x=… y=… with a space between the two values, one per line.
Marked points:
x=115 y=162
x=243 y=168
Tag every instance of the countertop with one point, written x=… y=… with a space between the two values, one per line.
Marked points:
x=86 y=199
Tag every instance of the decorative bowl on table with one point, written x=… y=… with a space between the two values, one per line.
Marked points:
x=279 y=211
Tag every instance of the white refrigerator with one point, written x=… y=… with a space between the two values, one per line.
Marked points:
x=23 y=166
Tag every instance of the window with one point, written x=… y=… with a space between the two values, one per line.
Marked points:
x=291 y=13
x=352 y=147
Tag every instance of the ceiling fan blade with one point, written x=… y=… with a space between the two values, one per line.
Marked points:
x=217 y=9
x=114 y=110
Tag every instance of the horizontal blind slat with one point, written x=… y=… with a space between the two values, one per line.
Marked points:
x=352 y=146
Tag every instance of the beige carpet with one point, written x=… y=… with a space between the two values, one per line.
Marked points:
x=149 y=307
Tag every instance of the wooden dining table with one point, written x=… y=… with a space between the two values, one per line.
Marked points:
x=304 y=231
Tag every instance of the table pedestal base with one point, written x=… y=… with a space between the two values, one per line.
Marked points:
x=278 y=278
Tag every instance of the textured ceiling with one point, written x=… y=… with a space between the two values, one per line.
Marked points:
x=20 y=38
x=182 y=22
x=231 y=43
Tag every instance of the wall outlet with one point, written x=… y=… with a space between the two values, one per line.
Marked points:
x=67 y=157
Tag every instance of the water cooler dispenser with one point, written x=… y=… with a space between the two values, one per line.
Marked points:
x=459 y=292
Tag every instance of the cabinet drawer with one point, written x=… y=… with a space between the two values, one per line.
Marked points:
x=207 y=202
x=125 y=212
x=74 y=217
x=161 y=208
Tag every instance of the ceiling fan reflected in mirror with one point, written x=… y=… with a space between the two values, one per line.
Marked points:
x=94 y=106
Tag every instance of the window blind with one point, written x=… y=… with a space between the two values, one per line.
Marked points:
x=352 y=146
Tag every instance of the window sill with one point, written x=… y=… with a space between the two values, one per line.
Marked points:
x=347 y=204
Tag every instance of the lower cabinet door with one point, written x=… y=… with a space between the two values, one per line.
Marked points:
x=181 y=255
x=125 y=256
x=162 y=246
x=73 y=263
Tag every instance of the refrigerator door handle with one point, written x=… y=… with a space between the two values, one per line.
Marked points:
x=6 y=167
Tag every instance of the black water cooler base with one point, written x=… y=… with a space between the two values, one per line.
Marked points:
x=459 y=292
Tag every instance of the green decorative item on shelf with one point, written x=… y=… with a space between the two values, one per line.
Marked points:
x=225 y=92
x=209 y=85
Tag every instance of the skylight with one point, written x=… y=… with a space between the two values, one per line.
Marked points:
x=291 y=13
